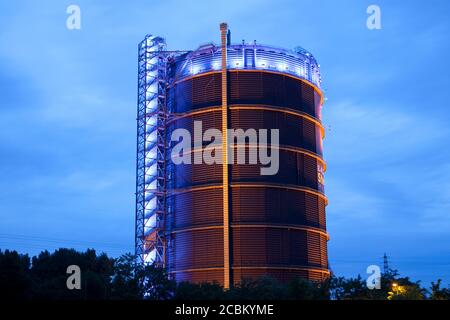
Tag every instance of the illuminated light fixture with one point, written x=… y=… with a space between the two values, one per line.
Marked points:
x=262 y=63
x=151 y=222
x=151 y=185
x=282 y=66
x=151 y=138
x=300 y=72
x=151 y=122
x=153 y=152
x=152 y=105
x=216 y=65
x=152 y=170
x=152 y=205
x=196 y=70
x=150 y=257
x=235 y=63
x=153 y=88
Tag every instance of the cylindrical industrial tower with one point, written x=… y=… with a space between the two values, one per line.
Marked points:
x=224 y=222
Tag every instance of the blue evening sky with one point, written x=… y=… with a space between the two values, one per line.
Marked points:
x=68 y=108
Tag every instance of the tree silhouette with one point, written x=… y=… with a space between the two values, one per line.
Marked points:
x=122 y=278
x=15 y=281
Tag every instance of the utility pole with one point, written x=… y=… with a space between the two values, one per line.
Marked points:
x=385 y=264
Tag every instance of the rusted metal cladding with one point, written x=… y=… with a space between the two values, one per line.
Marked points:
x=277 y=222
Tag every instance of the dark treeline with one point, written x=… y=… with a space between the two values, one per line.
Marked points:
x=44 y=277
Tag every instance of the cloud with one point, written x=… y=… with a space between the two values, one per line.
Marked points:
x=368 y=134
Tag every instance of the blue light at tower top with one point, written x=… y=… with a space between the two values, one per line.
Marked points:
x=298 y=62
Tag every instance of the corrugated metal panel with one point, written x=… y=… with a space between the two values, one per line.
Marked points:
x=309 y=135
x=294 y=130
x=209 y=120
x=321 y=214
x=316 y=276
x=248 y=119
x=195 y=93
x=319 y=139
x=248 y=206
x=206 y=90
x=294 y=169
x=323 y=252
x=253 y=247
x=197 y=249
x=200 y=276
x=310 y=171
x=245 y=88
x=187 y=175
x=190 y=209
x=281 y=275
x=308 y=96
x=314 y=252
x=311 y=209
x=274 y=89
x=273 y=205
x=318 y=105
x=182 y=97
